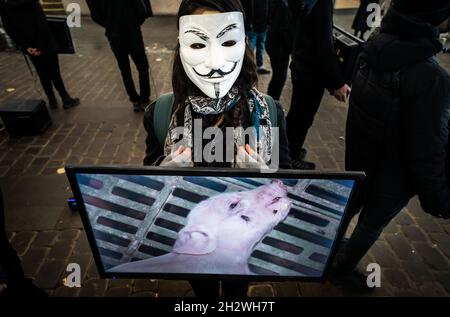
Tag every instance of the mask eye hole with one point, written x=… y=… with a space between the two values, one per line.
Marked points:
x=229 y=43
x=198 y=46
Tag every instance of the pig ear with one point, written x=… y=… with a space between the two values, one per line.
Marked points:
x=194 y=242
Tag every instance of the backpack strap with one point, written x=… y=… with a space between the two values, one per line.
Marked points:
x=272 y=110
x=162 y=116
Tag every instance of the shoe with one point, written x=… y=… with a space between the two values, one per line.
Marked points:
x=303 y=165
x=144 y=105
x=263 y=71
x=303 y=153
x=353 y=280
x=136 y=106
x=71 y=103
x=53 y=104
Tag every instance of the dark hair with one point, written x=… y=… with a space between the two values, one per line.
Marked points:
x=183 y=87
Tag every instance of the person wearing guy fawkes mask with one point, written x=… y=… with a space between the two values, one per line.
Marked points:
x=214 y=80
x=314 y=68
x=397 y=125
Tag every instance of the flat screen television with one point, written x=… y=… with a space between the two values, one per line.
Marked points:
x=203 y=223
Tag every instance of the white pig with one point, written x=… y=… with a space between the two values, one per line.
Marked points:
x=221 y=233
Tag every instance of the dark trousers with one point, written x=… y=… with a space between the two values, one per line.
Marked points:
x=47 y=68
x=279 y=59
x=378 y=210
x=211 y=288
x=9 y=261
x=307 y=94
x=257 y=42
x=134 y=47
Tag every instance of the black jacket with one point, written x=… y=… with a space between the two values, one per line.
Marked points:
x=360 y=20
x=26 y=24
x=398 y=116
x=154 y=153
x=121 y=19
x=281 y=25
x=314 y=55
x=256 y=14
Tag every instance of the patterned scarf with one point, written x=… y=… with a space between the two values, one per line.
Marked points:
x=260 y=117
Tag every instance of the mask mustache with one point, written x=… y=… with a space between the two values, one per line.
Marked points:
x=216 y=71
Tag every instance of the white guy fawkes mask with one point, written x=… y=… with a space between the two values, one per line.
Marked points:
x=212 y=50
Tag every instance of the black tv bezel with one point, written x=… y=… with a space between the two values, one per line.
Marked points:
x=355 y=201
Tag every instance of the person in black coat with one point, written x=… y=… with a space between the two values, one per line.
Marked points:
x=122 y=21
x=397 y=129
x=16 y=284
x=314 y=68
x=279 y=44
x=25 y=23
x=257 y=23
x=360 y=24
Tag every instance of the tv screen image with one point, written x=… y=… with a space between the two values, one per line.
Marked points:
x=203 y=225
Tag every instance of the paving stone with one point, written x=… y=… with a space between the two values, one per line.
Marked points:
x=83 y=260
x=173 y=288
x=404 y=219
x=46 y=238
x=286 y=289
x=319 y=290
x=64 y=291
x=433 y=290
x=145 y=294
x=419 y=272
x=414 y=233
x=444 y=279
x=61 y=250
x=261 y=290
x=408 y=293
x=49 y=274
x=118 y=292
x=396 y=278
x=33 y=260
x=120 y=283
x=429 y=225
x=94 y=288
x=22 y=241
x=82 y=244
x=443 y=243
x=432 y=256
x=145 y=286
x=402 y=248
x=92 y=272
x=383 y=255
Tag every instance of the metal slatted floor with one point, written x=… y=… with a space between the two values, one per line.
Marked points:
x=138 y=217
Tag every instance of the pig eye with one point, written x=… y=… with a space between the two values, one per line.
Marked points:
x=234 y=205
x=275 y=212
x=247 y=219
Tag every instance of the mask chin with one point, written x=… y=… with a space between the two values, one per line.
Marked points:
x=214 y=89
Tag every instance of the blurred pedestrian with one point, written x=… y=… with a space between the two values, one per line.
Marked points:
x=26 y=24
x=257 y=23
x=360 y=23
x=122 y=21
x=314 y=68
x=397 y=127
x=280 y=38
